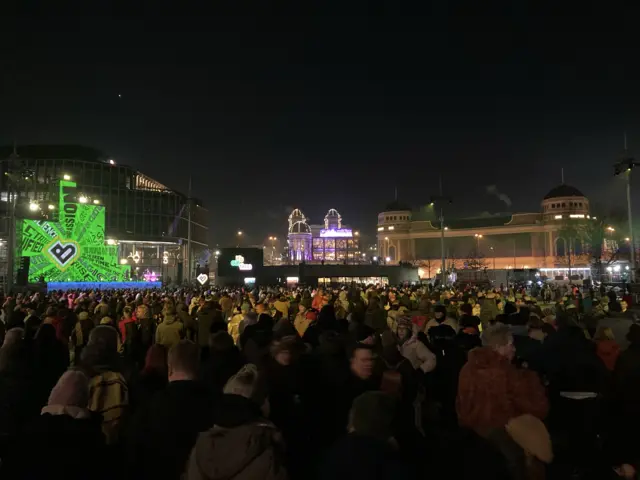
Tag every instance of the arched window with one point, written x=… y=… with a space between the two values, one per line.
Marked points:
x=561 y=247
x=578 y=247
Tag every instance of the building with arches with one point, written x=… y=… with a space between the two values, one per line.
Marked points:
x=329 y=242
x=519 y=240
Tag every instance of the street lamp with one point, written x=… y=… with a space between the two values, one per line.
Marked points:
x=66 y=177
x=611 y=229
x=83 y=199
x=478 y=237
x=96 y=202
x=273 y=247
x=388 y=259
x=51 y=207
x=33 y=207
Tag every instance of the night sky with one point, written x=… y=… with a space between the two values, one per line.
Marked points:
x=334 y=106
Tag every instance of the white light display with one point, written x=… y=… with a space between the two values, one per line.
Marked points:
x=336 y=232
x=202 y=278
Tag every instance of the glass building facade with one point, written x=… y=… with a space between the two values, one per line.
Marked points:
x=148 y=220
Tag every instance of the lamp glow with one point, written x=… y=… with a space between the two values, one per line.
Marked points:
x=33 y=207
x=83 y=199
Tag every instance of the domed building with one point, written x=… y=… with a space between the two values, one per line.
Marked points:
x=329 y=242
x=299 y=237
x=511 y=241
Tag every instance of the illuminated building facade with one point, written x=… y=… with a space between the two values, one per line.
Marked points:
x=330 y=242
x=148 y=221
x=519 y=240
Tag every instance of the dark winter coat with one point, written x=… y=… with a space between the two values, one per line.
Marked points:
x=163 y=434
x=357 y=456
x=58 y=446
x=240 y=446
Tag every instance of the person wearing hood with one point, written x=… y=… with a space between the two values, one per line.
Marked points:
x=170 y=331
x=233 y=327
x=242 y=444
x=492 y=391
x=303 y=319
x=413 y=349
x=66 y=437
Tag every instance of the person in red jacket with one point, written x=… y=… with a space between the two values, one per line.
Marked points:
x=492 y=390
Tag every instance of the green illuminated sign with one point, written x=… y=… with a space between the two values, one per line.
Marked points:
x=73 y=248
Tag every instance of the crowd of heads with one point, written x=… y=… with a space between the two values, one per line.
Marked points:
x=316 y=378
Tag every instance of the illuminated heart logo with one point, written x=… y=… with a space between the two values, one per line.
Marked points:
x=63 y=253
x=202 y=278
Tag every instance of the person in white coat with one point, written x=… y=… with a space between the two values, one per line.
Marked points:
x=413 y=349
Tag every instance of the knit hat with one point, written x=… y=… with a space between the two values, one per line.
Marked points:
x=404 y=321
x=248 y=384
x=372 y=414
x=106 y=321
x=83 y=316
x=72 y=389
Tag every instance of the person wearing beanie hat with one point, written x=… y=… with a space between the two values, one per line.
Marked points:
x=242 y=444
x=413 y=349
x=369 y=449
x=67 y=437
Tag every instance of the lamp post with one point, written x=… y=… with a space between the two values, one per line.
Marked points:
x=273 y=247
x=239 y=235
x=624 y=167
x=441 y=199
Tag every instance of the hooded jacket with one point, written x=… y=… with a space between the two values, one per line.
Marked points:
x=169 y=332
x=247 y=447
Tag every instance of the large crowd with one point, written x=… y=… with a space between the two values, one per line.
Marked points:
x=351 y=382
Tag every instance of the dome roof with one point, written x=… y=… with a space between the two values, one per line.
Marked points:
x=332 y=213
x=563 y=191
x=300 y=227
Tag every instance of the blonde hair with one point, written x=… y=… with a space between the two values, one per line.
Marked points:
x=247 y=383
x=604 y=333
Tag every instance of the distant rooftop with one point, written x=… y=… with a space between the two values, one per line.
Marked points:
x=57 y=152
x=563 y=191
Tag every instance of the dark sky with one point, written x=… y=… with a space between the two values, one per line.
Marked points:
x=327 y=106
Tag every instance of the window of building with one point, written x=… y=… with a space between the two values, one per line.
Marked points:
x=564 y=205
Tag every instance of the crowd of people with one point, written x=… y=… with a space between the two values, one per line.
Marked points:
x=353 y=381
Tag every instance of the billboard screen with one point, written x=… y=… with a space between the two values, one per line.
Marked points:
x=239 y=261
x=71 y=249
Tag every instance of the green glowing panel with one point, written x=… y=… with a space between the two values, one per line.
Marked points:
x=71 y=249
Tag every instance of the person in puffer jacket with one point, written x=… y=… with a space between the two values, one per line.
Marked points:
x=413 y=349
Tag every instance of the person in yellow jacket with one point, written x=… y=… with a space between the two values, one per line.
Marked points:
x=170 y=331
x=233 y=327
